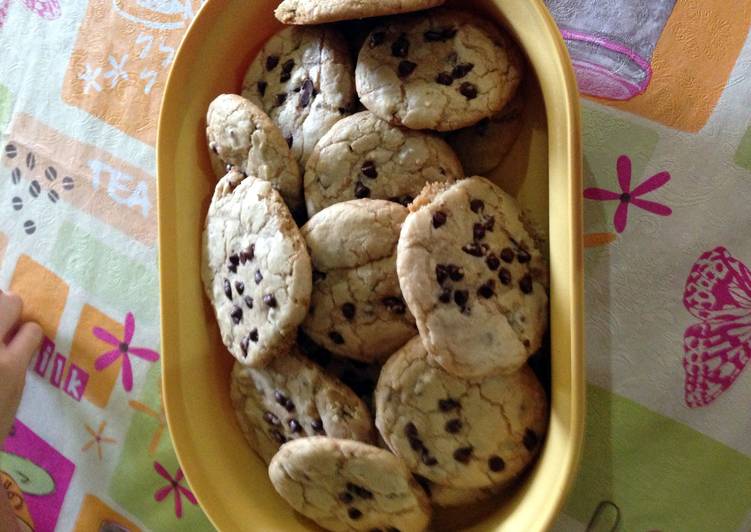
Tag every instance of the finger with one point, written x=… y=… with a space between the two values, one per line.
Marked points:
x=24 y=344
x=11 y=306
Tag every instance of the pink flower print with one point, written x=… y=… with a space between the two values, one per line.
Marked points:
x=631 y=197
x=46 y=9
x=175 y=484
x=123 y=350
x=717 y=348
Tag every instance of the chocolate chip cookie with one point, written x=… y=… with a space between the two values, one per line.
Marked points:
x=443 y=70
x=292 y=398
x=256 y=269
x=346 y=485
x=461 y=433
x=303 y=79
x=356 y=307
x=473 y=278
x=242 y=136
x=319 y=12
x=364 y=157
x=483 y=146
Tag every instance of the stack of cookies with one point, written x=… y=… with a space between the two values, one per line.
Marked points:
x=381 y=304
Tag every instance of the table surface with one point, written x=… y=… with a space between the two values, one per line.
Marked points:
x=666 y=114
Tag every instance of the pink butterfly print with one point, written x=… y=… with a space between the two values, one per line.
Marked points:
x=47 y=9
x=718 y=292
x=175 y=484
x=124 y=349
x=628 y=196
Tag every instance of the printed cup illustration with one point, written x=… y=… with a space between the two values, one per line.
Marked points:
x=611 y=43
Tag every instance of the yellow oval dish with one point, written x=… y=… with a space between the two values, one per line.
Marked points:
x=543 y=171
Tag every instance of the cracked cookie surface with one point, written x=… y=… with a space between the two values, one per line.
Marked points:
x=241 y=135
x=461 y=433
x=293 y=398
x=482 y=146
x=318 y=12
x=441 y=70
x=362 y=156
x=357 y=309
x=256 y=269
x=303 y=79
x=473 y=278
x=345 y=485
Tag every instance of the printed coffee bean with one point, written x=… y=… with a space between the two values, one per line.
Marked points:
x=30 y=161
x=400 y=47
x=17 y=203
x=50 y=173
x=16 y=176
x=35 y=188
x=11 y=151
x=53 y=196
x=68 y=183
x=29 y=226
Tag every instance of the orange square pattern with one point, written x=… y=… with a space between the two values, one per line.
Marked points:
x=95 y=515
x=44 y=294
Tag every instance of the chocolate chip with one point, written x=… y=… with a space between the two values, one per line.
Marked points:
x=361 y=492
x=395 y=304
x=424 y=483
x=463 y=454
x=468 y=90
x=487 y=290
x=354 y=513
x=461 y=297
x=410 y=430
x=261 y=86
x=439 y=35
x=271 y=419
x=306 y=93
x=237 y=315
x=244 y=345
x=279 y=397
x=258 y=276
x=248 y=301
x=240 y=287
x=345 y=497
x=525 y=284
x=406 y=68
x=294 y=426
x=504 y=276
x=526 y=343
x=530 y=440
x=281 y=98
x=478 y=231
x=228 y=289
x=234 y=259
x=453 y=426
x=284 y=77
x=447 y=405
x=317 y=426
x=523 y=256
x=496 y=463
x=336 y=337
x=492 y=261
x=279 y=437
x=445 y=296
x=318 y=276
x=361 y=191
x=270 y=300
x=444 y=78
x=271 y=62
x=404 y=200
x=455 y=272
x=428 y=459
x=507 y=254
x=288 y=65
x=368 y=169
x=400 y=47
x=461 y=70
x=474 y=249
x=439 y=218
x=348 y=309
x=489 y=223
x=476 y=205
x=248 y=254
x=253 y=335
x=415 y=443
x=232 y=268
x=441 y=273
x=393 y=529
x=376 y=39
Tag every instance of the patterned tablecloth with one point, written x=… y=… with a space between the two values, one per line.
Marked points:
x=667 y=105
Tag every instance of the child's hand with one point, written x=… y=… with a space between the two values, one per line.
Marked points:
x=18 y=342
